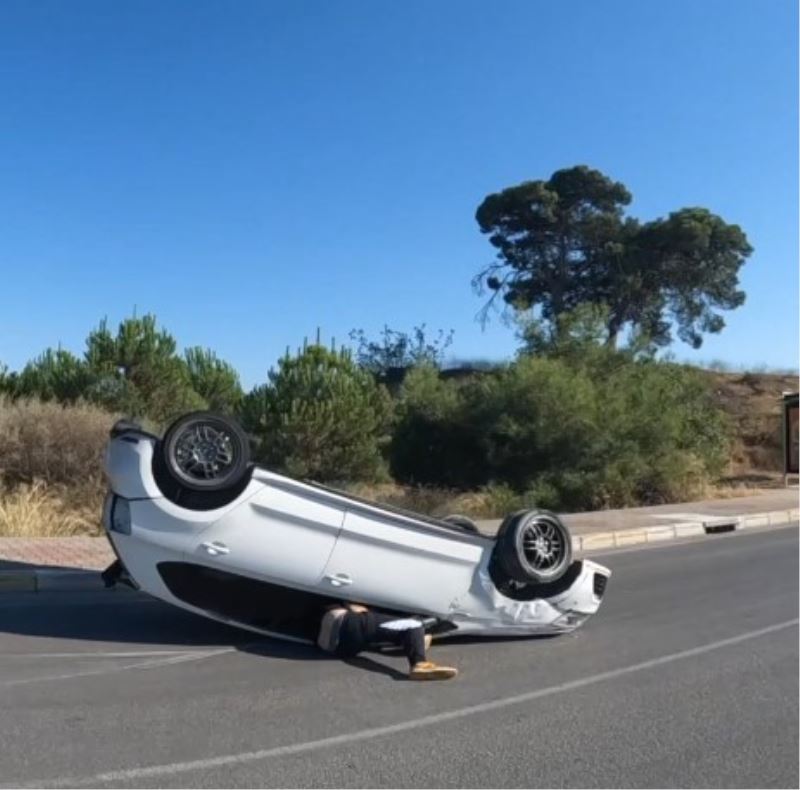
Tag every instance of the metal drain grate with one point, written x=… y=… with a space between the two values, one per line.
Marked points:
x=714 y=527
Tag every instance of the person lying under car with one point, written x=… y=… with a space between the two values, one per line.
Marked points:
x=347 y=629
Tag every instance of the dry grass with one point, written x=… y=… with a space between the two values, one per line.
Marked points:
x=498 y=501
x=40 y=511
x=60 y=445
x=433 y=501
x=437 y=502
x=51 y=479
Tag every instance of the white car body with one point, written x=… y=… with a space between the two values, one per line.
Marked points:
x=304 y=543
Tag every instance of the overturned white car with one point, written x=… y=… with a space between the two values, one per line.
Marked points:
x=195 y=524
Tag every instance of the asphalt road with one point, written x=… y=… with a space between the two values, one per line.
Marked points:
x=688 y=676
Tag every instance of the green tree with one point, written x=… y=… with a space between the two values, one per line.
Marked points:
x=137 y=371
x=320 y=416
x=577 y=337
x=56 y=374
x=566 y=241
x=252 y=411
x=400 y=350
x=214 y=380
x=8 y=380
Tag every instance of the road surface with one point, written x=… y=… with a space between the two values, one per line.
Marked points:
x=688 y=676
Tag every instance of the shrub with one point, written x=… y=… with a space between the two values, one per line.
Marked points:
x=503 y=427
x=431 y=443
x=45 y=441
x=664 y=438
x=604 y=430
x=536 y=415
x=320 y=416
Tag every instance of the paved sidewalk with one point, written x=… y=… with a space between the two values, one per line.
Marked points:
x=634 y=518
x=86 y=553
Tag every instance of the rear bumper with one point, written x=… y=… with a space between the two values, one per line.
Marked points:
x=139 y=550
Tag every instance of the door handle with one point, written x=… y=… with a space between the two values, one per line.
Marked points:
x=339 y=580
x=215 y=548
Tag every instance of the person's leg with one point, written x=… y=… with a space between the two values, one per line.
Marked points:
x=353 y=635
x=413 y=643
x=411 y=640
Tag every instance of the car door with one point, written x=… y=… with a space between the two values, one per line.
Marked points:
x=386 y=560
x=282 y=535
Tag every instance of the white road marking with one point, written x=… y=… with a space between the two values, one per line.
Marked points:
x=196 y=656
x=118 y=654
x=115 y=777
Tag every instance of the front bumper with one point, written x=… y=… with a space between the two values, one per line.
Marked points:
x=493 y=613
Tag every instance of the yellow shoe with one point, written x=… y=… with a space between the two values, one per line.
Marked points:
x=427 y=670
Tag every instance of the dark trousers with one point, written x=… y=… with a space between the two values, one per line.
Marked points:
x=360 y=630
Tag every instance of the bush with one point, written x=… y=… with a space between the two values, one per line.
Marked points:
x=56 y=444
x=606 y=430
x=433 y=443
x=505 y=427
x=536 y=415
x=664 y=439
x=320 y=416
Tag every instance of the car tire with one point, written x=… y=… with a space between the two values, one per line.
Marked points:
x=205 y=452
x=465 y=522
x=534 y=546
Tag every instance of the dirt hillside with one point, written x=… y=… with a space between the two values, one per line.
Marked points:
x=753 y=401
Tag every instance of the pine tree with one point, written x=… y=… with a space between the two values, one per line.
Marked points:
x=320 y=416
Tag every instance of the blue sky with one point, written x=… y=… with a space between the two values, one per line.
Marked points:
x=250 y=171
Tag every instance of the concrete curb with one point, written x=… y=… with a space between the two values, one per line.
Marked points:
x=49 y=580
x=681 y=529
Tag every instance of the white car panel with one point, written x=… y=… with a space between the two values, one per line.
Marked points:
x=277 y=535
x=401 y=567
x=130 y=463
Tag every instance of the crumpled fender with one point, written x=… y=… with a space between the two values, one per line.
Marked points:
x=537 y=612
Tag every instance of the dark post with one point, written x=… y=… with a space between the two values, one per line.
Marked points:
x=791 y=436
